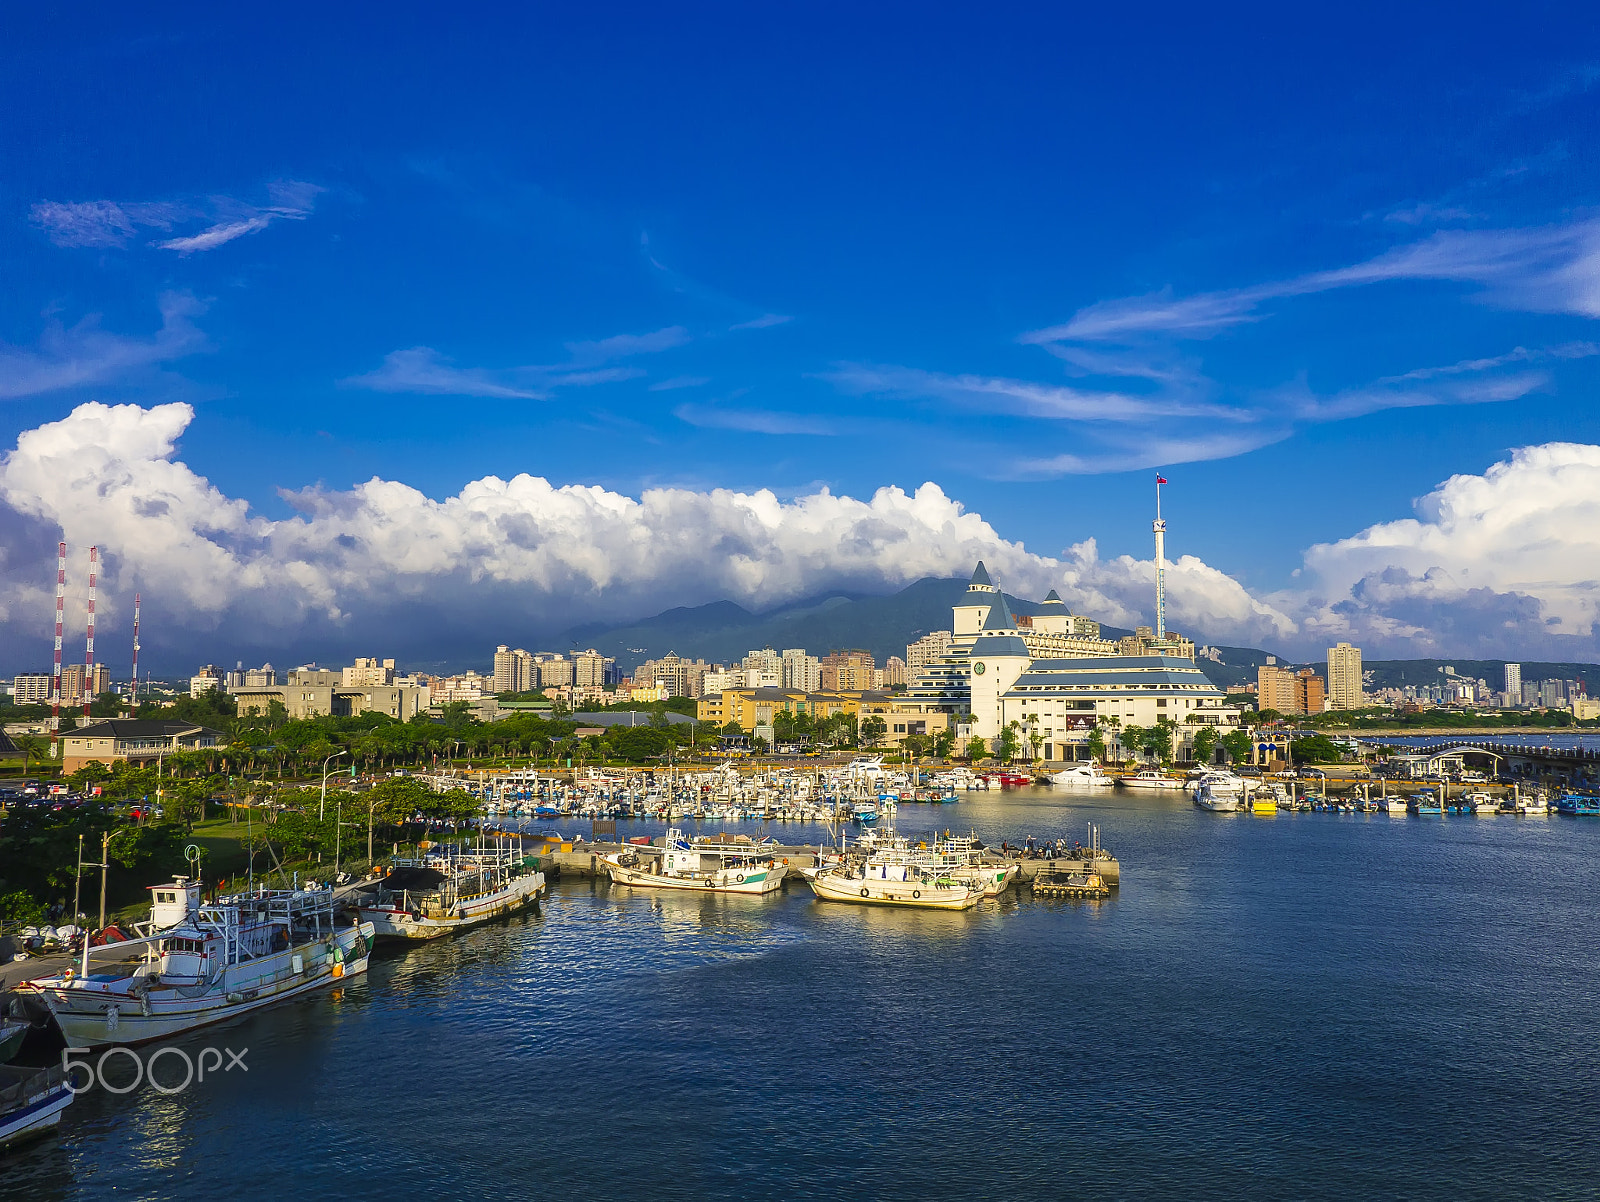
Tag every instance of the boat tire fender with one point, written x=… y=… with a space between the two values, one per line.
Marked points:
x=916 y=893
x=865 y=893
x=738 y=878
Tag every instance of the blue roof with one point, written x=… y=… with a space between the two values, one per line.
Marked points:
x=980 y=575
x=999 y=615
x=999 y=644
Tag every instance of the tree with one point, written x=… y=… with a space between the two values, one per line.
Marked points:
x=1005 y=747
x=916 y=745
x=873 y=728
x=33 y=747
x=944 y=743
x=1097 y=744
x=1132 y=739
x=1158 y=739
x=1316 y=749
x=1238 y=745
x=976 y=750
x=1205 y=744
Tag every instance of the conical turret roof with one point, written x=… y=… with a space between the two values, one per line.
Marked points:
x=999 y=615
x=1053 y=598
x=980 y=577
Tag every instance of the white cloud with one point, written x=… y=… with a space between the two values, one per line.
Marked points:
x=765 y=321
x=1551 y=269
x=622 y=346
x=677 y=382
x=84 y=354
x=421 y=369
x=1506 y=563
x=1503 y=563
x=754 y=421
x=108 y=224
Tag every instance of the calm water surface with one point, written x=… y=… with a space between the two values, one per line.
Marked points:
x=1303 y=1005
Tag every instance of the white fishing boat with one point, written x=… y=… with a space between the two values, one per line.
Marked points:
x=961 y=858
x=1087 y=775
x=196 y=964
x=1392 y=805
x=447 y=893
x=31 y=1101
x=701 y=869
x=894 y=874
x=1149 y=778
x=1533 y=805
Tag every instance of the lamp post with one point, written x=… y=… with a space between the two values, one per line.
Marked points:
x=322 y=806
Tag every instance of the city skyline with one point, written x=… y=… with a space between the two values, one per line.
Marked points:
x=544 y=348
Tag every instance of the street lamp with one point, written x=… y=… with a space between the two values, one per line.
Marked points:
x=323 y=804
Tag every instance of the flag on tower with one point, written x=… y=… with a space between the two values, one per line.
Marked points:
x=1161 y=479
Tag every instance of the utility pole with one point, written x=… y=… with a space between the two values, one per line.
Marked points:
x=105 y=871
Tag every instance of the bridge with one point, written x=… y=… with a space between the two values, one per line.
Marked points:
x=1548 y=763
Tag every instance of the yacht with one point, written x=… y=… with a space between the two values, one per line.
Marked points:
x=1149 y=778
x=1533 y=805
x=1087 y=775
x=699 y=869
x=443 y=894
x=196 y=963
x=1220 y=792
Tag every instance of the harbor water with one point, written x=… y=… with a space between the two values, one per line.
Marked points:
x=1306 y=1005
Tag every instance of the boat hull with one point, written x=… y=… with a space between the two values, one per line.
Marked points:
x=908 y=894
x=396 y=923
x=91 y=1013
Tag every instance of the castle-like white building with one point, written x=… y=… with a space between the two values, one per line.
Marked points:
x=1052 y=674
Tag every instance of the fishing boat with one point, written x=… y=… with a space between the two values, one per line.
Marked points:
x=960 y=857
x=195 y=964
x=1578 y=806
x=31 y=1101
x=1425 y=803
x=700 y=869
x=1149 y=778
x=894 y=875
x=1087 y=775
x=448 y=893
x=1533 y=805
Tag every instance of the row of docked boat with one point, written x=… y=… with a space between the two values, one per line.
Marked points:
x=883 y=868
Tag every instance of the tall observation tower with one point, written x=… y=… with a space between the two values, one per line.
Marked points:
x=1160 y=528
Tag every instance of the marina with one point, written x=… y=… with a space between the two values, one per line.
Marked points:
x=1153 y=977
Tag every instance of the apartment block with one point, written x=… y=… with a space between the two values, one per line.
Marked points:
x=1344 y=677
x=848 y=671
x=1275 y=689
x=31 y=688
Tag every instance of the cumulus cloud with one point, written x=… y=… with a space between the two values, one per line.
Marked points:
x=519 y=552
x=1507 y=562
x=109 y=224
x=85 y=354
x=1503 y=563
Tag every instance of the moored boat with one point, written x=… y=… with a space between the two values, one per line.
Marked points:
x=1087 y=775
x=699 y=869
x=1149 y=778
x=195 y=964
x=1578 y=806
x=444 y=894
x=31 y=1101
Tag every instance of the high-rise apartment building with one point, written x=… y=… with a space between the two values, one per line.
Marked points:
x=514 y=671
x=589 y=669
x=554 y=670
x=1513 y=684
x=801 y=671
x=1552 y=693
x=1275 y=689
x=365 y=673
x=1310 y=694
x=72 y=684
x=926 y=650
x=31 y=688
x=682 y=677
x=1344 y=677
x=207 y=680
x=894 y=672
x=848 y=671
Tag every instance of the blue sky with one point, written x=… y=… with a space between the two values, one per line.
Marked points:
x=1311 y=268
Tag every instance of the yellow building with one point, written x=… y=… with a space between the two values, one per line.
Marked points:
x=1275 y=689
x=751 y=708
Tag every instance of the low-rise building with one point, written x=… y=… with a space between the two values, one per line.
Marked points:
x=318 y=700
x=209 y=679
x=751 y=708
x=137 y=740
